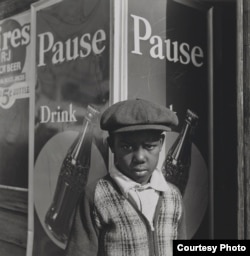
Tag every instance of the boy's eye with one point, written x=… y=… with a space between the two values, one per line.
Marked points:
x=126 y=147
x=149 y=146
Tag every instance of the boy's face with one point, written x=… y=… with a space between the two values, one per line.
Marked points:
x=136 y=153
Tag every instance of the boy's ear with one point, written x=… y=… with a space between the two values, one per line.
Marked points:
x=110 y=141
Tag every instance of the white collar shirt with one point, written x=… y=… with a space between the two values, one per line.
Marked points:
x=144 y=197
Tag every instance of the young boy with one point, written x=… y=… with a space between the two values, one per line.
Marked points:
x=132 y=211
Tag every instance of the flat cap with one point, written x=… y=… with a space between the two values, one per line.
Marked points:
x=137 y=114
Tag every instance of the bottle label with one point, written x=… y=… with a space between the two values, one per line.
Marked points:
x=75 y=175
x=176 y=174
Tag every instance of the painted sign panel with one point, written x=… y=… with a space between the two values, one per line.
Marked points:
x=71 y=44
x=14 y=100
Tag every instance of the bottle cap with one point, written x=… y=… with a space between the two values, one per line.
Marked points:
x=192 y=117
x=92 y=112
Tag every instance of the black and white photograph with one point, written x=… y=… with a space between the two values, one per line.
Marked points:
x=124 y=127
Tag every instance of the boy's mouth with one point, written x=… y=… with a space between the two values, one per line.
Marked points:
x=140 y=169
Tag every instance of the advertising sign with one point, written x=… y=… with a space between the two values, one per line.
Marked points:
x=169 y=49
x=14 y=100
x=71 y=76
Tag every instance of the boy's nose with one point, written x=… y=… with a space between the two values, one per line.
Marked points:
x=139 y=155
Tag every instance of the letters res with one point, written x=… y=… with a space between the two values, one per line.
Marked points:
x=15 y=38
x=164 y=49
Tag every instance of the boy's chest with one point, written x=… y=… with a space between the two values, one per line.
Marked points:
x=118 y=211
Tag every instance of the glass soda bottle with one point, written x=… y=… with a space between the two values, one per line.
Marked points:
x=72 y=180
x=178 y=160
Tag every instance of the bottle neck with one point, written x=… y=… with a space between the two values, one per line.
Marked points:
x=184 y=135
x=77 y=149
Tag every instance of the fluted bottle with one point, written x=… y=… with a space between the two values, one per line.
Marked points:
x=71 y=180
x=178 y=160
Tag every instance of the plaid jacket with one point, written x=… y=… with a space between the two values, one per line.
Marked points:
x=107 y=224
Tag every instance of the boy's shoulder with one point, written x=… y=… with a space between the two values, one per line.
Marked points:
x=99 y=184
x=92 y=185
x=100 y=191
x=173 y=190
x=173 y=197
